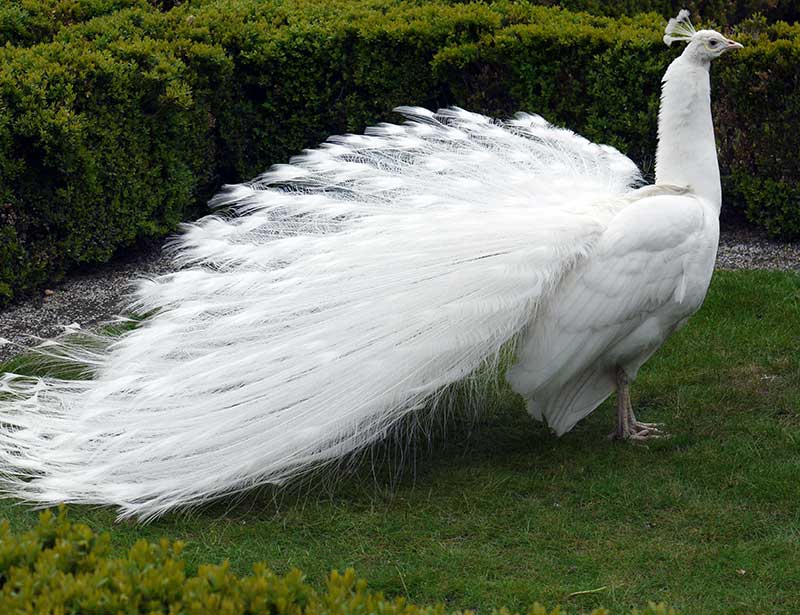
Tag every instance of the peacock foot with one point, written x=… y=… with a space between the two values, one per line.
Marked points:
x=653 y=427
x=646 y=431
x=627 y=427
x=638 y=431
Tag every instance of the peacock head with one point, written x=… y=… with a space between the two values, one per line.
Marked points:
x=702 y=45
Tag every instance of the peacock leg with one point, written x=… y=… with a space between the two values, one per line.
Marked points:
x=627 y=427
x=622 y=427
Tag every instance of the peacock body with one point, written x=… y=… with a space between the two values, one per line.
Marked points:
x=355 y=284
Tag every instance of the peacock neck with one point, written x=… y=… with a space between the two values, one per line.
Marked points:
x=687 y=153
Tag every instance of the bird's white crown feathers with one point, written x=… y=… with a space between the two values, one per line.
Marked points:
x=679 y=29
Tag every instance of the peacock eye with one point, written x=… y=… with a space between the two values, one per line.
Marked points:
x=713 y=43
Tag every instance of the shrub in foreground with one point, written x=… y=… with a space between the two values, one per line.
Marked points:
x=63 y=567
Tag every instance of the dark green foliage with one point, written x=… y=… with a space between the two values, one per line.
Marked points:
x=724 y=12
x=757 y=115
x=25 y=22
x=110 y=143
x=131 y=113
x=61 y=567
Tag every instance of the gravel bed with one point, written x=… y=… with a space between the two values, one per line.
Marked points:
x=84 y=298
x=88 y=297
x=746 y=249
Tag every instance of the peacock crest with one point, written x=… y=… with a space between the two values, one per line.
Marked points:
x=679 y=28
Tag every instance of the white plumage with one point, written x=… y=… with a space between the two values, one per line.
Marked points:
x=358 y=282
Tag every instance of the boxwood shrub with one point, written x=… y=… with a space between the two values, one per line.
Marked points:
x=127 y=117
x=26 y=22
x=723 y=12
x=62 y=567
x=99 y=146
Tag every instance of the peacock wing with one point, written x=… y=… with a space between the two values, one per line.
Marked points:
x=648 y=272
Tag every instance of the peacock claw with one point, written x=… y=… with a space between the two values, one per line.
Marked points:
x=646 y=431
x=653 y=428
x=647 y=425
x=639 y=432
x=648 y=434
x=627 y=427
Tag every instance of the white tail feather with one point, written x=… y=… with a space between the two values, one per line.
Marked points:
x=354 y=284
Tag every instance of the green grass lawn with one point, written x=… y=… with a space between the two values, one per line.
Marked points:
x=496 y=511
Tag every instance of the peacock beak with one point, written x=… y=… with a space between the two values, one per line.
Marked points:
x=729 y=44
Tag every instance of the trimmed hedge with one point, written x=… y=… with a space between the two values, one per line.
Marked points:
x=61 y=567
x=122 y=125
x=723 y=12
x=100 y=146
x=26 y=22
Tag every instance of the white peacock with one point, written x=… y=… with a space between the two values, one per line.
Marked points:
x=358 y=282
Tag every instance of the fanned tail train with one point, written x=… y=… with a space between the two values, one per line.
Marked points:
x=324 y=302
